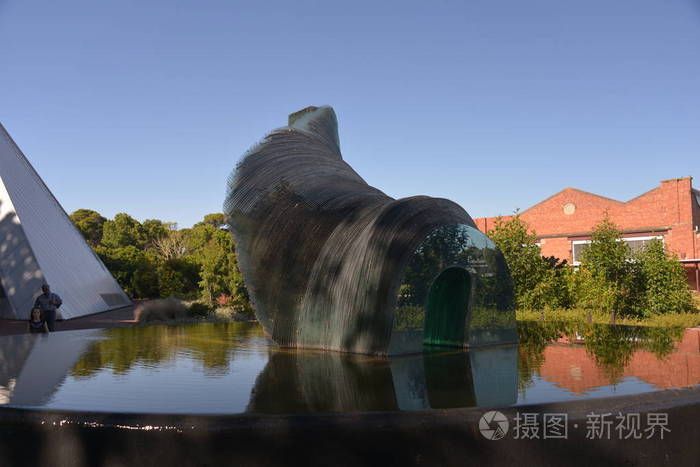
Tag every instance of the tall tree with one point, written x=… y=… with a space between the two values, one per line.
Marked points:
x=613 y=281
x=154 y=230
x=523 y=256
x=664 y=281
x=90 y=224
x=123 y=231
x=216 y=219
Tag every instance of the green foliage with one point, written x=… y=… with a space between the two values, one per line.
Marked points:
x=132 y=268
x=214 y=250
x=610 y=278
x=607 y=256
x=90 y=224
x=663 y=281
x=199 y=309
x=123 y=231
x=649 y=282
x=217 y=220
x=610 y=281
x=153 y=230
x=538 y=282
x=152 y=259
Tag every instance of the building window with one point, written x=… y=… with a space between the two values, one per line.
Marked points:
x=638 y=243
x=635 y=243
x=577 y=249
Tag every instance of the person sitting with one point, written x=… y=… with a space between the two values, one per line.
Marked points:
x=48 y=303
x=37 y=323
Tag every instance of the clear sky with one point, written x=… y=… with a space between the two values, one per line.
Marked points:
x=145 y=106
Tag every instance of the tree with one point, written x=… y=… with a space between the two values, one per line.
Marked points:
x=523 y=256
x=123 y=231
x=612 y=279
x=153 y=258
x=214 y=250
x=664 y=282
x=171 y=246
x=154 y=230
x=90 y=224
x=132 y=268
x=216 y=220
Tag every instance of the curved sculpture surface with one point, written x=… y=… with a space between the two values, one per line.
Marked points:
x=333 y=263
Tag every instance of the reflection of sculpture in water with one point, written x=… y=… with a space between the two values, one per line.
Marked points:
x=317 y=382
x=333 y=263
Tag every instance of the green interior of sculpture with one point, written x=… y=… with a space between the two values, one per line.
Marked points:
x=455 y=291
x=446 y=308
x=333 y=263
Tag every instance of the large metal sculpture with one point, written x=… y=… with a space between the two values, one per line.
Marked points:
x=333 y=263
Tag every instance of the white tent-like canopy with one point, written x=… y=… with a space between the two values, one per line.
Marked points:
x=39 y=244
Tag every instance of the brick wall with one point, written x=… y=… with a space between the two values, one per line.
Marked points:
x=669 y=210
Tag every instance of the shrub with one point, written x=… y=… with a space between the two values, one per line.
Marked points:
x=163 y=309
x=199 y=309
x=132 y=268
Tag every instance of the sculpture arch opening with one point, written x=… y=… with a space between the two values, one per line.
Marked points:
x=446 y=309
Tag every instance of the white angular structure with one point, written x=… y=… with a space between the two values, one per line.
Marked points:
x=39 y=243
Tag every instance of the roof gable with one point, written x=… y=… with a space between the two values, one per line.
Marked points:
x=572 y=195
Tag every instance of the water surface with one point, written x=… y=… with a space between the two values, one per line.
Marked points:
x=229 y=368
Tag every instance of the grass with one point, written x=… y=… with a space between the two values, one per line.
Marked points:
x=686 y=320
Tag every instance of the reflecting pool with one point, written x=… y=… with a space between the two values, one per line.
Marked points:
x=229 y=368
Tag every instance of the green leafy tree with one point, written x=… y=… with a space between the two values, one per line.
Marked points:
x=214 y=250
x=664 y=281
x=154 y=259
x=90 y=224
x=132 y=268
x=123 y=231
x=520 y=250
x=538 y=282
x=179 y=277
x=611 y=279
x=154 y=230
x=217 y=220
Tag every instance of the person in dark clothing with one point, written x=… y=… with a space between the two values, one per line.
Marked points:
x=48 y=303
x=37 y=323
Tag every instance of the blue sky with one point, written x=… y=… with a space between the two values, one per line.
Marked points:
x=145 y=107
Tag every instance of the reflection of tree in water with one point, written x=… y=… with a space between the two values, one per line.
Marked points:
x=533 y=338
x=611 y=347
x=209 y=343
x=662 y=341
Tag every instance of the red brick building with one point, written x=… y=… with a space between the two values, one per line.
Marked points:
x=671 y=211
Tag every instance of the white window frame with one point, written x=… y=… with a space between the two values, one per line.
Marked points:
x=623 y=239
x=577 y=242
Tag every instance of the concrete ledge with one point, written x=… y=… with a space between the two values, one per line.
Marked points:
x=439 y=437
